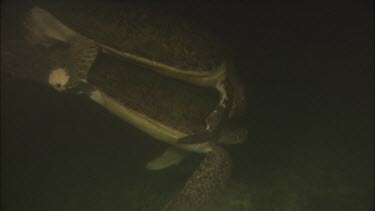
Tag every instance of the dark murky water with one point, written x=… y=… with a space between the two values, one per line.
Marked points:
x=308 y=69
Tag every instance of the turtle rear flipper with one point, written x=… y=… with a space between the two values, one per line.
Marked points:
x=171 y=156
x=209 y=178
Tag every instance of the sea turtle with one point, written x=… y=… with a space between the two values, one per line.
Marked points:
x=167 y=77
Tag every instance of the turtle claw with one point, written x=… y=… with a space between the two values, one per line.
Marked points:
x=213 y=121
x=216 y=116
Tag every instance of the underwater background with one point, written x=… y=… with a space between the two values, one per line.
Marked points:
x=308 y=71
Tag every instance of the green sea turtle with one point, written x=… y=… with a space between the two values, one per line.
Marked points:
x=153 y=70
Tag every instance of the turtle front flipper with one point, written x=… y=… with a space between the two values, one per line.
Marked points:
x=209 y=178
x=196 y=138
x=45 y=29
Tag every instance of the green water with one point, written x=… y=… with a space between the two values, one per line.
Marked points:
x=308 y=70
